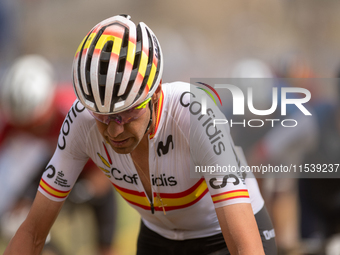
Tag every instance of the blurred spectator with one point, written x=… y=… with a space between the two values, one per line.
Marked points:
x=294 y=202
x=33 y=108
x=320 y=198
x=256 y=74
x=8 y=31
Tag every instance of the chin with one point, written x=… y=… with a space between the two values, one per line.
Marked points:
x=123 y=150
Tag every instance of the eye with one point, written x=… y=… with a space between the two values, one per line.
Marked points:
x=117 y=119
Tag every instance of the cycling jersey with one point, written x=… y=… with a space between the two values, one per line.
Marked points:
x=183 y=139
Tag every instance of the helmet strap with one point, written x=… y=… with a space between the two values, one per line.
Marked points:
x=150 y=121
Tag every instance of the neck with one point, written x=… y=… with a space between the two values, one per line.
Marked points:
x=154 y=119
x=143 y=145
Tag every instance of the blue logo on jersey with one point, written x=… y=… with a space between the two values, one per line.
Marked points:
x=165 y=148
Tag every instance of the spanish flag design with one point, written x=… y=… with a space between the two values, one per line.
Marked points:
x=59 y=194
x=241 y=193
x=171 y=201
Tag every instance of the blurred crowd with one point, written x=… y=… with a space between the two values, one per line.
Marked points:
x=33 y=109
x=34 y=103
x=305 y=210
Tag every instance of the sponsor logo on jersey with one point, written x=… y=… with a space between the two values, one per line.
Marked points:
x=164 y=149
x=116 y=173
x=232 y=179
x=66 y=127
x=59 y=180
x=161 y=180
x=214 y=134
x=50 y=174
x=269 y=234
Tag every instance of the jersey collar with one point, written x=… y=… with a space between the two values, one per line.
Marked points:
x=159 y=114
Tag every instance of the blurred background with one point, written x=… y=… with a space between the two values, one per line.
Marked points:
x=198 y=38
x=283 y=38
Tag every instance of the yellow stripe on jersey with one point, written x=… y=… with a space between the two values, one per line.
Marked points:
x=104 y=160
x=52 y=191
x=170 y=200
x=138 y=199
x=104 y=170
x=230 y=195
x=179 y=201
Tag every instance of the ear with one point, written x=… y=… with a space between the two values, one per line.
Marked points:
x=155 y=97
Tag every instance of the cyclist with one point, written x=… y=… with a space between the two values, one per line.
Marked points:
x=148 y=139
x=33 y=106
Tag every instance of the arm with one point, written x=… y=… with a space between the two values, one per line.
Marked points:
x=211 y=145
x=239 y=229
x=30 y=237
x=56 y=182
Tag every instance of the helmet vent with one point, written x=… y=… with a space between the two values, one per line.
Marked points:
x=125 y=42
x=108 y=46
x=104 y=58
x=150 y=48
x=121 y=65
x=102 y=93
x=137 y=60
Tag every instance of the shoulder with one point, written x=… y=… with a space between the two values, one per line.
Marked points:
x=187 y=100
x=77 y=126
x=175 y=105
x=175 y=90
x=179 y=96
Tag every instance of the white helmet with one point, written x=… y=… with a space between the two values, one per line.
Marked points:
x=117 y=66
x=27 y=90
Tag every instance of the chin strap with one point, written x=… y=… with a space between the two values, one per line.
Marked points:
x=150 y=121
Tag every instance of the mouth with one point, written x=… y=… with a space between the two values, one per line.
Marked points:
x=118 y=143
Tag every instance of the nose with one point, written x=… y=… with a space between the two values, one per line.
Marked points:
x=114 y=129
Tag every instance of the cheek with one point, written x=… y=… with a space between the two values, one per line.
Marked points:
x=139 y=126
x=101 y=127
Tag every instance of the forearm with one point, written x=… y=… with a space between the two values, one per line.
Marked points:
x=25 y=242
x=240 y=230
x=30 y=237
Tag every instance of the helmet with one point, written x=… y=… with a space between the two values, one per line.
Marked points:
x=27 y=90
x=117 y=66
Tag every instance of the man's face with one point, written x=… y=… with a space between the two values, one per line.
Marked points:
x=125 y=138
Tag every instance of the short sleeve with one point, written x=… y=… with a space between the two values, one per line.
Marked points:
x=213 y=152
x=69 y=157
